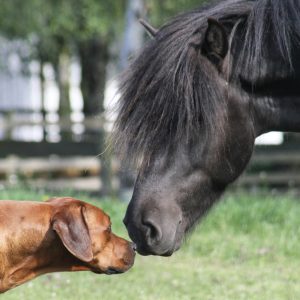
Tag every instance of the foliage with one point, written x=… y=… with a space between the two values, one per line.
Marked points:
x=246 y=248
x=58 y=29
x=160 y=11
x=55 y=24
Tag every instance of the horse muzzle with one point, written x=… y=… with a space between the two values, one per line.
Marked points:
x=156 y=233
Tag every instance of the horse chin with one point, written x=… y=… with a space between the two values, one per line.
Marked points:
x=146 y=252
x=165 y=251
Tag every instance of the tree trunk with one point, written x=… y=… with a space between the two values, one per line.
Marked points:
x=134 y=32
x=63 y=80
x=42 y=91
x=94 y=56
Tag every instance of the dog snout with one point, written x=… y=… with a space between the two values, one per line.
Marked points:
x=127 y=253
x=123 y=254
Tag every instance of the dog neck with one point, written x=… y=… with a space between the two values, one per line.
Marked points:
x=35 y=260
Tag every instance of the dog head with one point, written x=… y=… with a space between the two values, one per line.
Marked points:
x=85 y=231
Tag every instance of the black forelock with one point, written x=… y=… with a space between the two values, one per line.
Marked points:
x=171 y=92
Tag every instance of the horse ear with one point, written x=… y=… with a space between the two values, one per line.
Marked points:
x=215 y=43
x=150 y=29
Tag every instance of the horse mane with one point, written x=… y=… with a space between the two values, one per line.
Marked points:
x=170 y=92
x=272 y=30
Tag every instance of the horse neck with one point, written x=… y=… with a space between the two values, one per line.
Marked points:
x=277 y=113
x=275 y=97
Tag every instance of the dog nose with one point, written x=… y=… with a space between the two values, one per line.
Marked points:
x=133 y=246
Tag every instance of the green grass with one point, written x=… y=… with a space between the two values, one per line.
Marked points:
x=247 y=247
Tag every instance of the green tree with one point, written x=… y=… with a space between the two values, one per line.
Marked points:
x=57 y=29
x=160 y=11
x=98 y=23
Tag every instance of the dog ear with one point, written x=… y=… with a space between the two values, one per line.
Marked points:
x=70 y=224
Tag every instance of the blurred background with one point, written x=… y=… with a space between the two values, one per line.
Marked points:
x=59 y=62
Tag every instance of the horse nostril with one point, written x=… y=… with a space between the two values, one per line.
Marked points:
x=153 y=232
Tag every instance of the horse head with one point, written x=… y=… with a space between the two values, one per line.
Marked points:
x=188 y=116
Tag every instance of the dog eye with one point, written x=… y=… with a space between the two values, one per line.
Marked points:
x=108 y=229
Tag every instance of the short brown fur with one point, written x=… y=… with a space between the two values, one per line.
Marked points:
x=62 y=234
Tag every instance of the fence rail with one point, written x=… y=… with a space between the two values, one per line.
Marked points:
x=273 y=166
x=74 y=162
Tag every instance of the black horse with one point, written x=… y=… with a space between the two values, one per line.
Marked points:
x=208 y=83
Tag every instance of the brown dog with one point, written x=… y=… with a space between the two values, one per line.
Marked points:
x=62 y=234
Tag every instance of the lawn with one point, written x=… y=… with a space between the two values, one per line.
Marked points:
x=246 y=248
